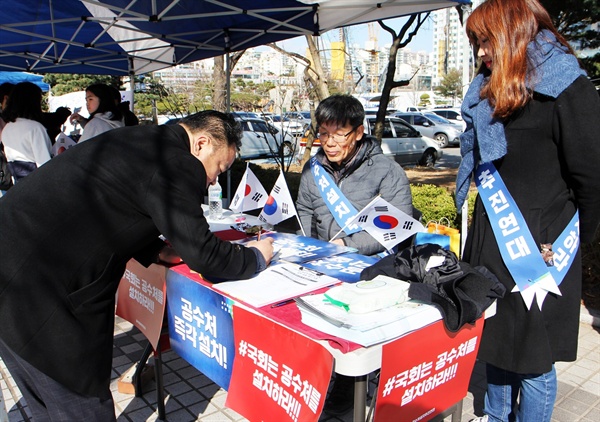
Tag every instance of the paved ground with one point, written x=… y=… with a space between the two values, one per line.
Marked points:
x=190 y=396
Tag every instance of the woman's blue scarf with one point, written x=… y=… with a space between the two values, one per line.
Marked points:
x=553 y=70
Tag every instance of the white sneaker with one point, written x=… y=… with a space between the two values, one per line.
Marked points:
x=483 y=418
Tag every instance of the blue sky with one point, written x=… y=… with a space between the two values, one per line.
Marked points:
x=360 y=33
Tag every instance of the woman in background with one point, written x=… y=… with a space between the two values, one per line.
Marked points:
x=26 y=143
x=532 y=122
x=104 y=113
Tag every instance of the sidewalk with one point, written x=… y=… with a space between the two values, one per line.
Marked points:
x=190 y=396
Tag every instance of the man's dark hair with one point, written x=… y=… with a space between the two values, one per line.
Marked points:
x=24 y=101
x=341 y=110
x=221 y=127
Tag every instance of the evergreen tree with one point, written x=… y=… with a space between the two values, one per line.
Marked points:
x=575 y=20
x=451 y=85
x=65 y=83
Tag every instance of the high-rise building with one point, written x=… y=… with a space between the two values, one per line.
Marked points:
x=451 y=49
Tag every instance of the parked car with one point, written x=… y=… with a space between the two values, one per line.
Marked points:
x=451 y=114
x=246 y=114
x=285 y=124
x=442 y=121
x=260 y=139
x=299 y=116
x=400 y=141
x=373 y=111
x=444 y=135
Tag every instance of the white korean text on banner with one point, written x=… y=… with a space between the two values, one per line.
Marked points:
x=141 y=298
x=432 y=375
x=201 y=327
x=278 y=372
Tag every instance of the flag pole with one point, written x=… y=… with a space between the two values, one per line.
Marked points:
x=300 y=224
x=337 y=234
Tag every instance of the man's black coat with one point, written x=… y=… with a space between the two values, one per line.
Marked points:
x=68 y=230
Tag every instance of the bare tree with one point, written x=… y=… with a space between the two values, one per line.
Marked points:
x=314 y=77
x=219 y=95
x=390 y=83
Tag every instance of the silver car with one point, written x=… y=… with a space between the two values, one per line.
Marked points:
x=443 y=134
x=451 y=114
x=293 y=127
x=442 y=121
x=400 y=141
x=404 y=143
x=260 y=139
x=299 y=116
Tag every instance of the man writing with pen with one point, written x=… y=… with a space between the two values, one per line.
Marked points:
x=72 y=226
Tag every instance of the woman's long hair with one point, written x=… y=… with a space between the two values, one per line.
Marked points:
x=107 y=102
x=509 y=25
x=24 y=101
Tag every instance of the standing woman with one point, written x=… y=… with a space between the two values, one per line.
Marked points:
x=104 y=113
x=26 y=143
x=532 y=123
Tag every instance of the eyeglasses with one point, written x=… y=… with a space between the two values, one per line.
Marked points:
x=338 y=139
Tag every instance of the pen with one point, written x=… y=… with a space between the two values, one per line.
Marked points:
x=278 y=304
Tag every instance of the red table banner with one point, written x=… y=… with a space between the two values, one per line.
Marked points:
x=426 y=372
x=141 y=298
x=278 y=374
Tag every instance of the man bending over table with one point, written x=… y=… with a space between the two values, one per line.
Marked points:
x=69 y=229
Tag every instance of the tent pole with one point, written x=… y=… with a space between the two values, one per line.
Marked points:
x=228 y=109
x=132 y=89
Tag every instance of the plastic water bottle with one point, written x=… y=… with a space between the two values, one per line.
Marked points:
x=215 y=201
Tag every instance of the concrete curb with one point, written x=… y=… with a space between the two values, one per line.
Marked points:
x=590 y=316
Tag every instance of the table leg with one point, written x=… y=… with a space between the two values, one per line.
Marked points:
x=160 y=397
x=360 y=397
x=457 y=414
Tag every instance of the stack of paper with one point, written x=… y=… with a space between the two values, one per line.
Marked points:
x=279 y=282
x=368 y=328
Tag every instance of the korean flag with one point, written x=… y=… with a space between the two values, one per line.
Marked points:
x=250 y=193
x=386 y=223
x=279 y=206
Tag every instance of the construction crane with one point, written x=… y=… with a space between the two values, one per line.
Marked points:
x=373 y=65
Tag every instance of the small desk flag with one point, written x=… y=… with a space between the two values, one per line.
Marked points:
x=279 y=206
x=250 y=193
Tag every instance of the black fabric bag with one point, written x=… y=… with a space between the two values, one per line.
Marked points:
x=459 y=291
x=5 y=175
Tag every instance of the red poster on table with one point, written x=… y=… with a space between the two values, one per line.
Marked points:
x=278 y=374
x=141 y=298
x=426 y=372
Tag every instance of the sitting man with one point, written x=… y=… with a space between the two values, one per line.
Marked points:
x=354 y=162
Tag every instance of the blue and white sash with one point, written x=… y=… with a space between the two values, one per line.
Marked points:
x=339 y=206
x=518 y=249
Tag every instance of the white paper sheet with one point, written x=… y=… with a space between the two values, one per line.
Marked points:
x=277 y=283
